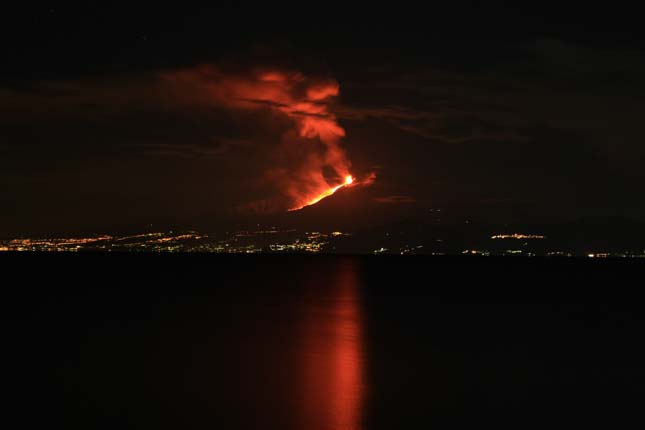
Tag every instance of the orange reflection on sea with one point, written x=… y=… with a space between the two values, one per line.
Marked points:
x=333 y=388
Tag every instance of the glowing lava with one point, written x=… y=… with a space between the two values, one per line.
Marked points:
x=349 y=180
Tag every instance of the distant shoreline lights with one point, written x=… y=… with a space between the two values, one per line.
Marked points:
x=518 y=236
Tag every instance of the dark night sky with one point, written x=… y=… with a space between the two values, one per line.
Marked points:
x=508 y=112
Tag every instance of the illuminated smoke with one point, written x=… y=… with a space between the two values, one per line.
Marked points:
x=306 y=101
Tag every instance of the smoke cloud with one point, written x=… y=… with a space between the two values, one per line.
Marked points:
x=313 y=160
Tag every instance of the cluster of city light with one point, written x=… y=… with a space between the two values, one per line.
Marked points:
x=313 y=242
x=559 y=254
x=476 y=252
x=273 y=240
x=51 y=244
x=139 y=236
x=616 y=255
x=518 y=236
x=410 y=250
x=177 y=238
x=155 y=242
x=260 y=241
x=297 y=246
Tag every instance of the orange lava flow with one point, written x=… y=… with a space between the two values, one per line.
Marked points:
x=349 y=180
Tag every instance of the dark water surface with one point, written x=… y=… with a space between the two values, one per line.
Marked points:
x=192 y=342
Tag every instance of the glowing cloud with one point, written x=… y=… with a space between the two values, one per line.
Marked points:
x=306 y=101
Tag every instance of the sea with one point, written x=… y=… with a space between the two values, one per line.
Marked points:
x=191 y=341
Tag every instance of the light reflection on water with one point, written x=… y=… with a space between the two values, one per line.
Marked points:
x=333 y=389
x=274 y=349
x=295 y=343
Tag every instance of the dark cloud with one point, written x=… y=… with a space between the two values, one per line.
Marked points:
x=529 y=131
x=186 y=151
x=395 y=199
x=437 y=124
x=590 y=65
x=117 y=150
